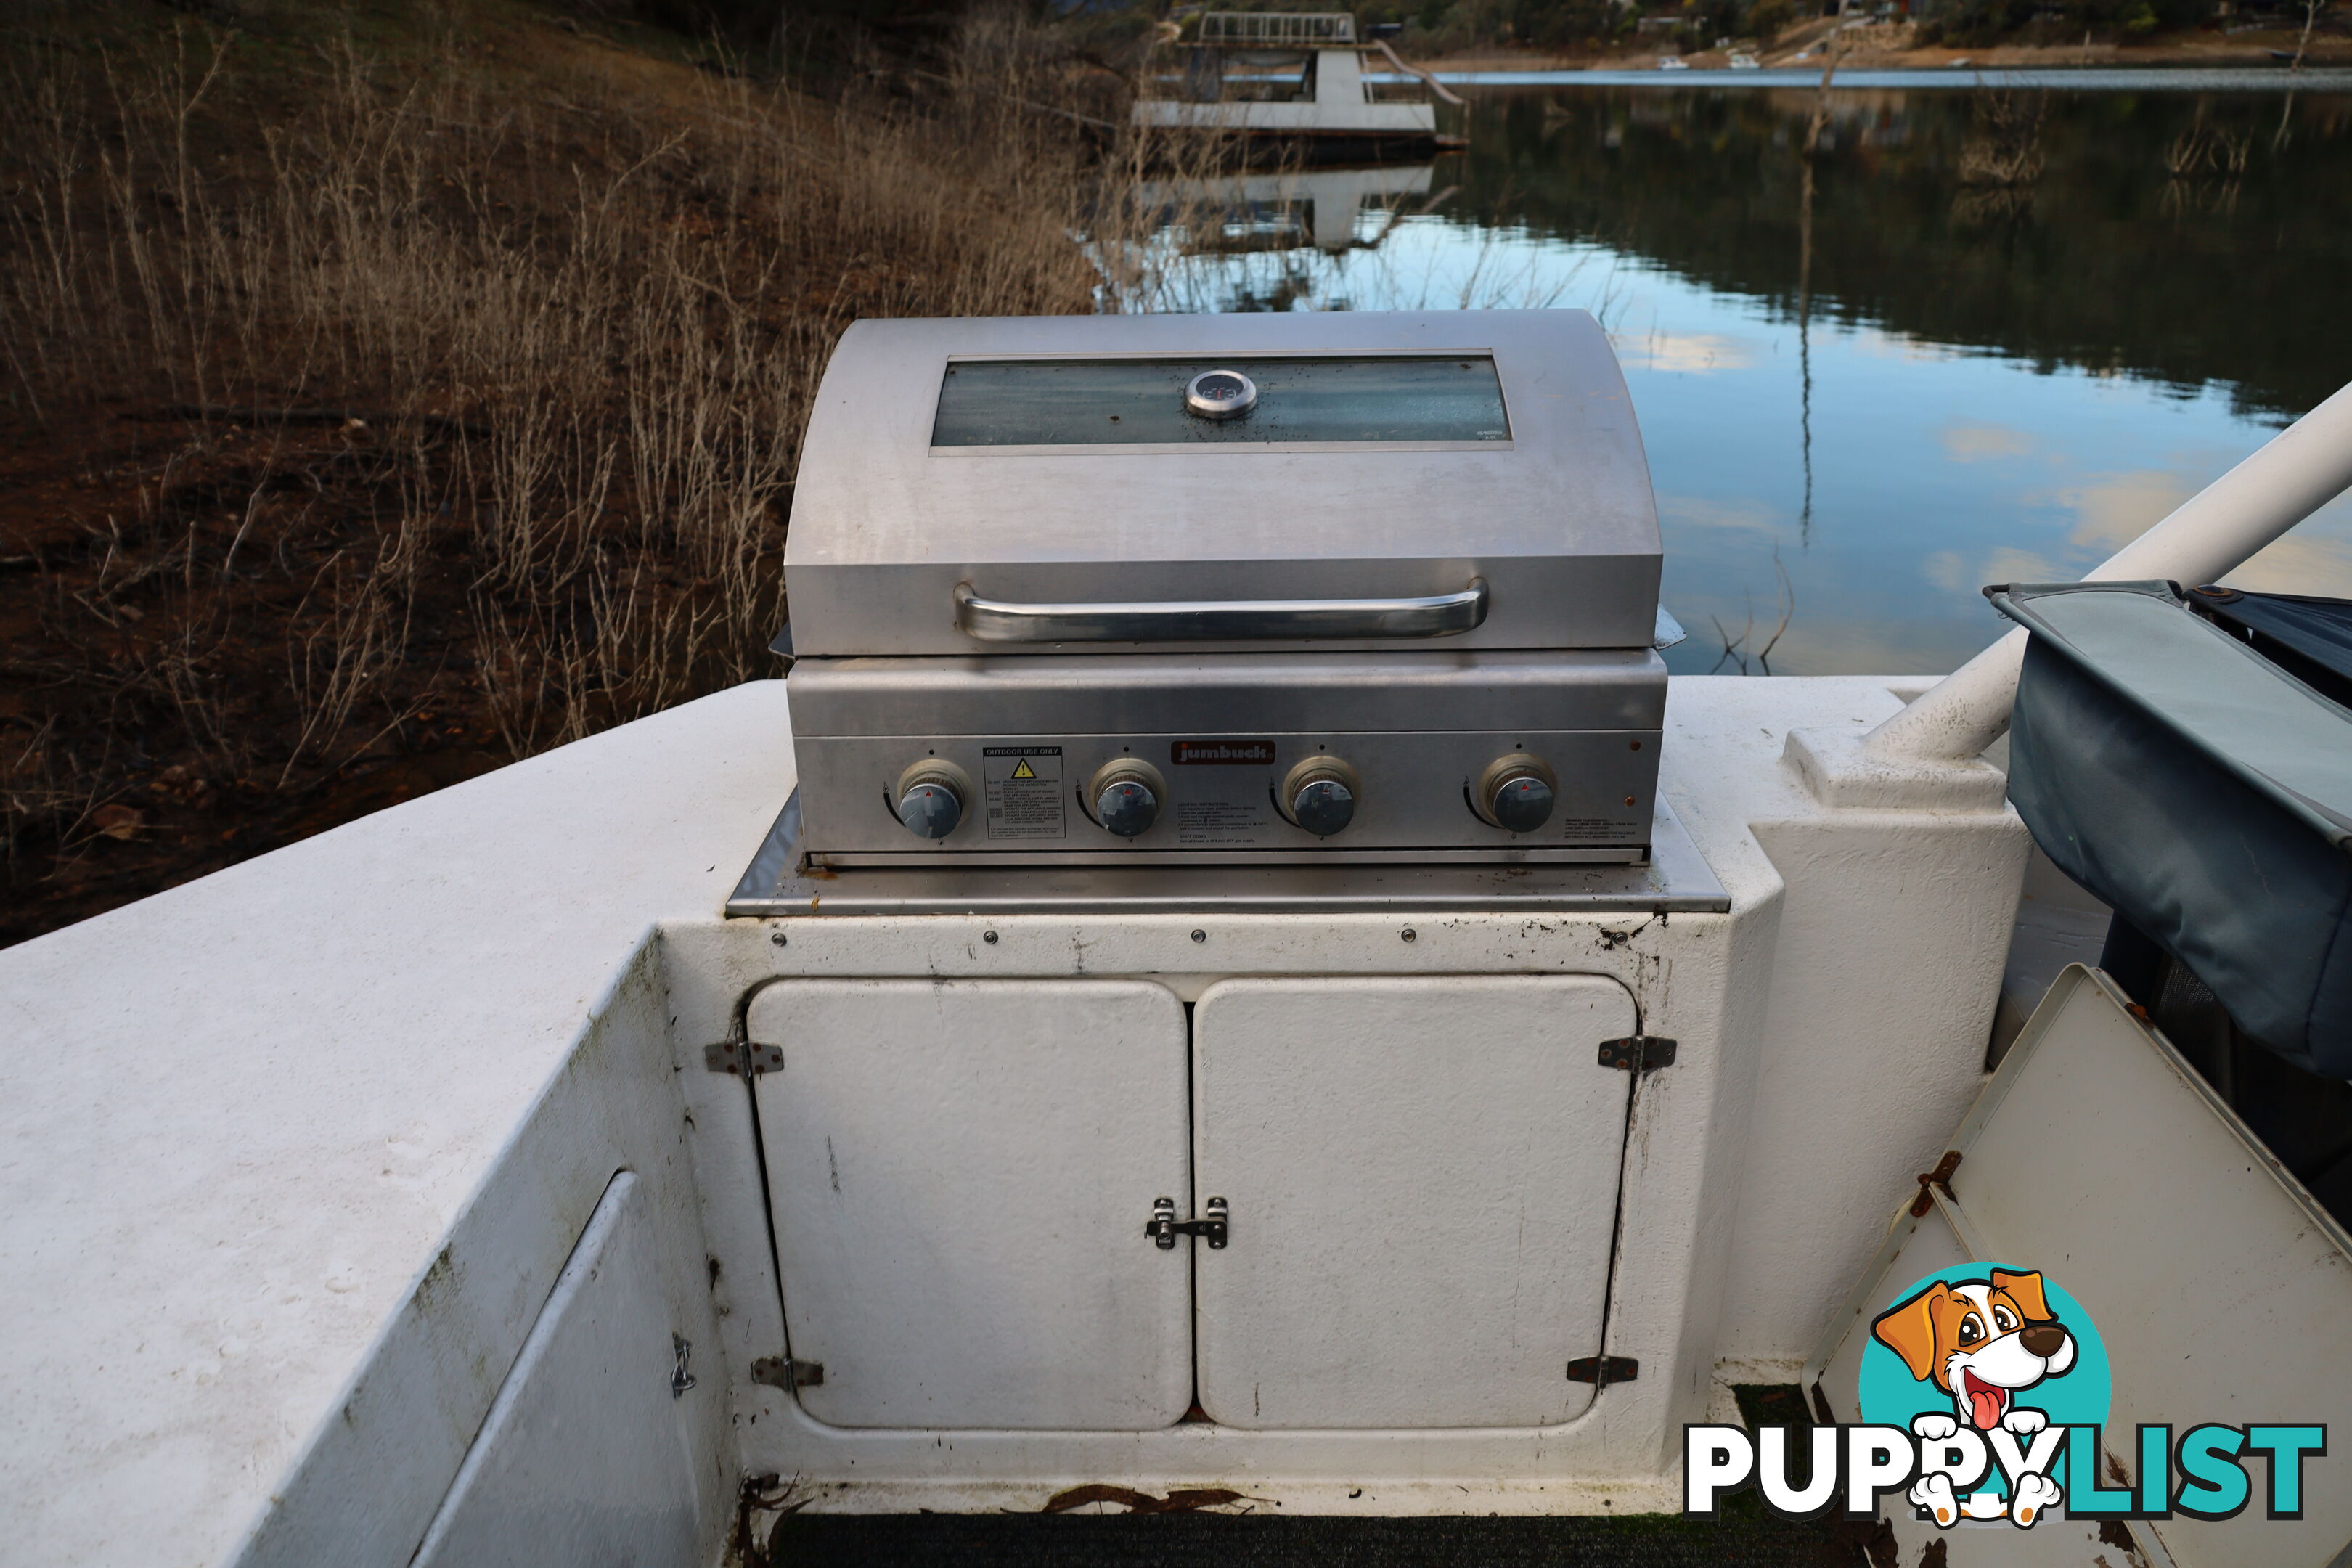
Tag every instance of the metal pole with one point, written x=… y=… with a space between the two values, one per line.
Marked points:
x=2213 y=533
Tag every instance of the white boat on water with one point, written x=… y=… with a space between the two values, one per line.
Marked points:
x=1292 y=85
x=1249 y=982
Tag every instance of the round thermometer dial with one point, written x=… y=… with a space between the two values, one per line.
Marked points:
x=1220 y=395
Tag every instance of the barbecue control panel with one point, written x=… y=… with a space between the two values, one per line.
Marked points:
x=1318 y=794
x=1576 y=795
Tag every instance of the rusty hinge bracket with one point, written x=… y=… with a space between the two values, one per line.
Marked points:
x=1638 y=1053
x=1939 y=1178
x=1214 y=1227
x=1601 y=1371
x=733 y=1055
x=776 y=1371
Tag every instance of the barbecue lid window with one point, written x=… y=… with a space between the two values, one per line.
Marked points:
x=1143 y=402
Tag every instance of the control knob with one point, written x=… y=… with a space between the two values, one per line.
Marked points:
x=1516 y=793
x=1320 y=796
x=930 y=797
x=1127 y=795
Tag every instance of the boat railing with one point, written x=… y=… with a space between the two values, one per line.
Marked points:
x=2213 y=533
x=1278 y=29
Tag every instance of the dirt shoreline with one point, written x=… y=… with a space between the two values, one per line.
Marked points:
x=2250 y=49
x=409 y=401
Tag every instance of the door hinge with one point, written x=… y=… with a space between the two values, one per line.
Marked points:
x=777 y=1371
x=733 y=1055
x=1213 y=1226
x=1601 y=1371
x=1638 y=1053
x=1941 y=1178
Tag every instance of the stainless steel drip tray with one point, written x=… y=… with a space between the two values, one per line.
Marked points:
x=1675 y=880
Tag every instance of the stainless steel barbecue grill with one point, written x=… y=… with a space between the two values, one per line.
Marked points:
x=1230 y=589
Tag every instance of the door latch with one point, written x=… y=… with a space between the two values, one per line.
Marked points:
x=1165 y=1228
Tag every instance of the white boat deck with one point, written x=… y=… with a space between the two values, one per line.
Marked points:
x=241 y=1120
x=295 y=1152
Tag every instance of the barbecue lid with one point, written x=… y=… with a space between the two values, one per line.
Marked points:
x=1470 y=480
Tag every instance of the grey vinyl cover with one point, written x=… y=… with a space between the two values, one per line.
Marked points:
x=2312 y=637
x=2202 y=791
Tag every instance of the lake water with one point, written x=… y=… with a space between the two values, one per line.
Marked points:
x=1866 y=399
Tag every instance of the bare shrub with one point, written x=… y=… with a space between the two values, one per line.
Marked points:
x=468 y=390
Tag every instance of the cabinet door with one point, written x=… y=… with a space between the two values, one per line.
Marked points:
x=960 y=1173
x=586 y=1455
x=1422 y=1179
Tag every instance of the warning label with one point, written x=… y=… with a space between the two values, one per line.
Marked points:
x=1024 y=791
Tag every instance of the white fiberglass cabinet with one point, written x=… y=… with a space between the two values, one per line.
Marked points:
x=1418 y=1177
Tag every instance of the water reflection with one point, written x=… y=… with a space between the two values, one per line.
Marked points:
x=1326 y=208
x=1979 y=337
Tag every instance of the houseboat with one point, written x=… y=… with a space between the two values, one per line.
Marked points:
x=1291 y=86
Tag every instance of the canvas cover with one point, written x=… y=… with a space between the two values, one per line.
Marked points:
x=2311 y=638
x=2202 y=791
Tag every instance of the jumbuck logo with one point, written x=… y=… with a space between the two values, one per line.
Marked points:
x=1227 y=753
x=1983 y=1390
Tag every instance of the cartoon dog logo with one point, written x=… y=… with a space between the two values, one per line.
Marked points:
x=1983 y=1344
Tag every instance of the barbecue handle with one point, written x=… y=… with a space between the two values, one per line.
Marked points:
x=1223 y=620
